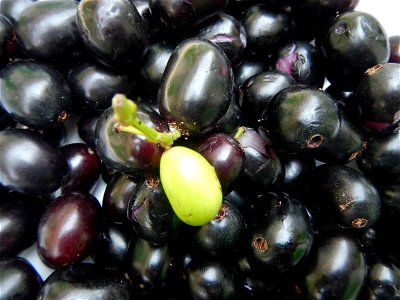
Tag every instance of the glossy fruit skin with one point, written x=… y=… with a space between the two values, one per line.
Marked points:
x=48 y=33
x=302 y=61
x=280 y=234
x=352 y=43
x=383 y=280
x=93 y=85
x=69 y=229
x=258 y=90
x=346 y=195
x=195 y=198
x=19 y=215
x=147 y=265
x=19 y=279
x=377 y=158
x=112 y=31
x=150 y=212
x=152 y=67
x=196 y=87
x=345 y=145
x=262 y=166
x=83 y=167
x=222 y=234
x=111 y=248
x=227 y=32
x=18 y=164
x=249 y=66
x=29 y=105
x=301 y=118
x=180 y=14
x=87 y=128
x=117 y=195
x=86 y=280
x=266 y=27
x=126 y=152
x=226 y=155
x=377 y=98
x=211 y=279
x=336 y=269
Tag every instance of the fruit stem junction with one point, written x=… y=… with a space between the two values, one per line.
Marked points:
x=127 y=121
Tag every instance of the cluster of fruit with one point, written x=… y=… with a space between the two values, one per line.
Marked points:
x=246 y=149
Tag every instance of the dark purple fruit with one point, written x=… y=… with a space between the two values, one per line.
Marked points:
x=34 y=94
x=266 y=27
x=211 y=279
x=86 y=127
x=152 y=67
x=383 y=280
x=29 y=164
x=181 y=13
x=336 y=269
x=111 y=248
x=19 y=218
x=150 y=212
x=112 y=31
x=69 y=229
x=301 y=118
x=83 y=167
x=118 y=193
x=257 y=92
x=280 y=234
x=147 y=265
x=227 y=32
x=302 y=61
x=197 y=86
x=48 y=33
x=345 y=195
x=262 y=166
x=249 y=66
x=354 y=42
x=226 y=155
x=86 y=280
x=19 y=279
x=126 y=152
x=93 y=85
x=377 y=98
x=222 y=234
x=377 y=158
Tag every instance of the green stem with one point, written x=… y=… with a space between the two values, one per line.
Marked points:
x=127 y=121
x=239 y=132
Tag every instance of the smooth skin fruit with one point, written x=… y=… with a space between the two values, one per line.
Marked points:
x=191 y=185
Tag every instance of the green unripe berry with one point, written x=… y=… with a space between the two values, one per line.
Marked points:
x=191 y=185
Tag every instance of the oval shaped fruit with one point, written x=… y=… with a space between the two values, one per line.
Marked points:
x=24 y=156
x=113 y=31
x=191 y=185
x=301 y=118
x=19 y=219
x=18 y=279
x=47 y=32
x=196 y=87
x=69 y=229
x=35 y=94
x=336 y=268
x=88 y=281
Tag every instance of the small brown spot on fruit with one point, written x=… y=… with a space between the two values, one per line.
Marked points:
x=315 y=141
x=359 y=223
x=260 y=244
x=62 y=117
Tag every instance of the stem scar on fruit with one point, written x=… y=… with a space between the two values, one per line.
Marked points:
x=188 y=179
